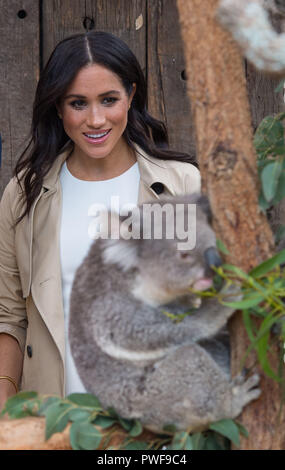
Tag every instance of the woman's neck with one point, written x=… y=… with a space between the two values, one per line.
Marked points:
x=86 y=168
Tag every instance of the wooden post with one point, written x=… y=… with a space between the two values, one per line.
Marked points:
x=227 y=159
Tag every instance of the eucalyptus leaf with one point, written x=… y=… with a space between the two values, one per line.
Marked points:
x=246 y=303
x=268 y=265
x=227 y=428
x=221 y=247
x=136 y=445
x=280 y=234
x=180 y=439
x=14 y=405
x=78 y=414
x=87 y=436
x=268 y=134
x=280 y=191
x=198 y=441
x=48 y=402
x=85 y=399
x=56 y=418
x=73 y=436
x=125 y=423
x=270 y=178
x=136 y=429
x=103 y=421
x=242 y=429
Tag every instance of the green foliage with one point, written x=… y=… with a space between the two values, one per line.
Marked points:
x=270 y=147
x=85 y=414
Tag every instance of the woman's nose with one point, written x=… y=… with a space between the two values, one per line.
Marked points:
x=96 y=117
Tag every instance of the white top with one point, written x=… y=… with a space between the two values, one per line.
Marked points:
x=78 y=197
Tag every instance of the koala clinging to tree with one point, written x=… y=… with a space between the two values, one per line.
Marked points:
x=131 y=355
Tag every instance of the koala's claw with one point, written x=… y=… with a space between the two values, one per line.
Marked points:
x=243 y=392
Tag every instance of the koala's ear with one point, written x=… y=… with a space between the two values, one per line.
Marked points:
x=119 y=247
x=124 y=253
x=204 y=203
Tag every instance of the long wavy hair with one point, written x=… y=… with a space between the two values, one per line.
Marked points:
x=48 y=136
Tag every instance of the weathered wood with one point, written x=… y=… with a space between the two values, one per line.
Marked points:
x=224 y=137
x=167 y=91
x=124 y=18
x=19 y=70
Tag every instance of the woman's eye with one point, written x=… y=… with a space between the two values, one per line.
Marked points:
x=77 y=104
x=109 y=100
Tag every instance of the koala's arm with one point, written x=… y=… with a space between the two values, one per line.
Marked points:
x=149 y=329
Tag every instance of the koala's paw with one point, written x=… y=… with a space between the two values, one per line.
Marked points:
x=243 y=392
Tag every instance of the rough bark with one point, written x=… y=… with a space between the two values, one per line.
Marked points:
x=29 y=434
x=224 y=142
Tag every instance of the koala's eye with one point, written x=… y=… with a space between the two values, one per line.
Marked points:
x=183 y=255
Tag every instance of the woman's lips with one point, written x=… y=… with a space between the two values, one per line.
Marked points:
x=98 y=140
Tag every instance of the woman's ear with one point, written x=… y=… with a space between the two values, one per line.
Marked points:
x=132 y=94
x=58 y=111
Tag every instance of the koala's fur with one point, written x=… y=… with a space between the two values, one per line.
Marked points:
x=136 y=359
x=255 y=25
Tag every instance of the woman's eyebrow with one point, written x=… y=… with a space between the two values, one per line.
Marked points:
x=111 y=92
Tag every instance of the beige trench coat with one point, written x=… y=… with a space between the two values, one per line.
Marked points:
x=31 y=307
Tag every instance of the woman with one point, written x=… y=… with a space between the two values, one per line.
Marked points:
x=92 y=138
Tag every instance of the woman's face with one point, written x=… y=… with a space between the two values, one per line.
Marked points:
x=94 y=111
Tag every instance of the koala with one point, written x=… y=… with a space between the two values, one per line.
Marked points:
x=258 y=27
x=133 y=356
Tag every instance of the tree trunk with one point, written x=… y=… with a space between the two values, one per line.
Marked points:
x=224 y=141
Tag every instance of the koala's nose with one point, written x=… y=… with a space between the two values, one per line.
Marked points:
x=212 y=257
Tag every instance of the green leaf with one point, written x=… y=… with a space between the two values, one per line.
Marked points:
x=242 y=429
x=85 y=436
x=14 y=406
x=136 y=429
x=136 y=445
x=280 y=233
x=239 y=272
x=73 y=436
x=170 y=428
x=48 y=402
x=56 y=418
x=268 y=135
x=248 y=325
x=180 y=440
x=269 y=178
x=78 y=414
x=104 y=421
x=227 y=428
x=280 y=191
x=221 y=247
x=246 y=303
x=268 y=265
x=85 y=399
x=125 y=423
x=212 y=443
x=262 y=346
x=198 y=441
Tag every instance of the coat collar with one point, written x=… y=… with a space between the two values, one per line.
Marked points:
x=151 y=169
